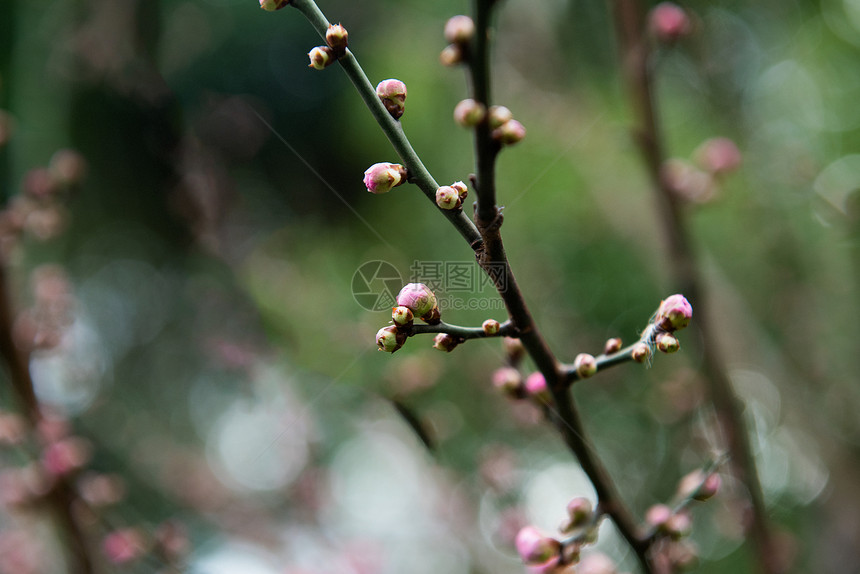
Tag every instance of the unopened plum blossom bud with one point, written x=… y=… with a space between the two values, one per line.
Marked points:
x=320 y=57
x=336 y=37
x=272 y=5
x=658 y=515
x=514 y=348
x=388 y=339
x=674 y=313
x=123 y=546
x=382 y=177
x=459 y=30
x=491 y=326
x=433 y=316
x=461 y=189
x=579 y=513
x=669 y=22
x=718 y=155
x=448 y=198
x=68 y=167
x=534 y=548
x=687 y=181
x=66 y=455
x=508 y=380
x=393 y=95
x=469 y=113
x=451 y=55
x=667 y=343
x=537 y=388
x=402 y=315
x=445 y=342
x=509 y=133
x=585 y=365
x=679 y=525
x=418 y=297
x=698 y=486
x=500 y=115
x=612 y=346
x=596 y=563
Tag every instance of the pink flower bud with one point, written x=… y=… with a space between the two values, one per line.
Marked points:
x=667 y=343
x=336 y=37
x=534 y=548
x=585 y=365
x=272 y=5
x=537 y=388
x=658 y=515
x=469 y=113
x=123 y=546
x=68 y=167
x=687 y=181
x=674 y=313
x=596 y=563
x=382 y=177
x=718 y=155
x=697 y=486
x=418 y=297
x=459 y=30
x=508 y=380
x=445 y=342
x=321 y=57
x=500 y=115
x=579 y=513
x=612 y=346
x=491 y=326
x=66 y=455
x=402 y=315
x=393 y=95
x=448 y=198
x=388 y=339
x=514 y=348
x=669 y=22
x=641 y=353
x=509 y=133
x=461 y=189
x=451 y=55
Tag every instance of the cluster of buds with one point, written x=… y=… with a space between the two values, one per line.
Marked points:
x=452 y=196
x=699 y=181
x=505 y=129
x=336 y=38
x=548 y=555
x=674 y=314
x=459 y=32
x=414 y=300
x=169 y=542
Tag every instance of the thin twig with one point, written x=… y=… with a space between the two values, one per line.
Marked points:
x=634 y=53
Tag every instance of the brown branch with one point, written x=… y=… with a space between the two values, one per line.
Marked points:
x=634 y=53
x=61 y=497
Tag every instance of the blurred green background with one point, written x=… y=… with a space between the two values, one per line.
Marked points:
x=220 y=364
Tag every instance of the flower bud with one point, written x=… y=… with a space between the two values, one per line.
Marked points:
x=68 y=167
x=500 y=115
x=674 y=313
x=448 y=198
x=641 y=353
x=585 y=365
x=612 y=346
x=123 y=546
x=491 y=326
x=461 y=189
x=445 y=342
x=509 y=133
x=697 y=486
x=459 y=30
x=718 y=155
x=667 y=343
x=687 y=181
x=534 y=548
x=658 y=516
x=536 y=387
x=418 y=297
x=321 y=57
x=66 y=455
x=402 y=315
x=508 y=380
x=469 y=113
x=514 y=348
x=679 y=525
x=433 y=316
x=272 y=5
x=579 y=513
x=336 y=37
x=451 y=55
x=389 y=339
x=669 y=22
x=382 y=177
x=393 y=95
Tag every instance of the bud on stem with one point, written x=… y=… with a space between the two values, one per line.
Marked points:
x=392 y=93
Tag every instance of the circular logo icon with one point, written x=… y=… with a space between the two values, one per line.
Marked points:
x=375 y=285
